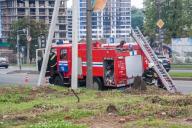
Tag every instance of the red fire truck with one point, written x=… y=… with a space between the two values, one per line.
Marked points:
x=113 y=66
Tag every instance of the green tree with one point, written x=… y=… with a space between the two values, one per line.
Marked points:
x=137 y=17
x=175 y=13
x=36 y=28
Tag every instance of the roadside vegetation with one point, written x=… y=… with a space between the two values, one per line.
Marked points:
x=181 y=66
x=57 y=107
x=181 y=74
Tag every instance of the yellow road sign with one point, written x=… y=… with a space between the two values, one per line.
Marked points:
x=160 y=23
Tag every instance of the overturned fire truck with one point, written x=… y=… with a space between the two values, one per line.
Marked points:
x=113 y=65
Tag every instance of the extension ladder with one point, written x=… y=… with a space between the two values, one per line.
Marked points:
x=152 y=57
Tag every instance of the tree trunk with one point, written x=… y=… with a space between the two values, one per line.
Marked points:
x=28 y=51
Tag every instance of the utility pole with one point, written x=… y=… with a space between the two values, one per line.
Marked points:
x=89 y=78
x=28 y=33
x=49 y=42
x=18 y=46
x=18 y=52
x=75 y=29
x=160 y=43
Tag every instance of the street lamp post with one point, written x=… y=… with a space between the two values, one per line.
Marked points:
x=18 y=47
x=18 y=52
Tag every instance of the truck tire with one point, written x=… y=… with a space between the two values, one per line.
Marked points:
x=97 y=84
x=58 y=81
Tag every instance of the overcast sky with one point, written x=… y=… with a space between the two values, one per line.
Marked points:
x=136 y=3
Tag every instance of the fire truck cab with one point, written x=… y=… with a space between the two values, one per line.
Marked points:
x=113 y=66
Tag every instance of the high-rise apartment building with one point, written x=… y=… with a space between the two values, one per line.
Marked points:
x=69 y=24
x=12 y=10
x=114 y=21
x=0 y=21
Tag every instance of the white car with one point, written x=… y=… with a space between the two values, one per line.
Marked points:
x=4 y=62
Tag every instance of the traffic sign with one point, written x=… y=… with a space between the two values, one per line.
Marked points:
x=160 y=23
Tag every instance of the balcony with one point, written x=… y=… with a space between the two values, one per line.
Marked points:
x=42 y=5
x=31 y=5
x=21 y=5
x=32 y=13
x=61 y=21
x=62 y=14
x=51 y=5
x=21 y=13
x=41 y=13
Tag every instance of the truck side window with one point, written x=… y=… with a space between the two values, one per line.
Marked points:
x=63 y=54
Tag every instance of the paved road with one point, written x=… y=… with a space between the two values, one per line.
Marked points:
x=14 y=68
x=18 y=78
x=183 y=86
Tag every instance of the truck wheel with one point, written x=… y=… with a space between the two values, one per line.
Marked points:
x=58 y=81
x=97 y=84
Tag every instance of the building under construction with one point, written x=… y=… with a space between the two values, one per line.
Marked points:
x=40 y=10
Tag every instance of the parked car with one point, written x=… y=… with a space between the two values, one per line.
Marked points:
x=165 y=62
x=4 y=62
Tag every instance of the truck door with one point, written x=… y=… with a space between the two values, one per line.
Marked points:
x=134 y=67
x=109 y=72
x=63 y=63
x=121 y=78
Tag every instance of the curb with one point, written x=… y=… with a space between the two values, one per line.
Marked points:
x=23 y=71
x=182 y=78
x=181 y=69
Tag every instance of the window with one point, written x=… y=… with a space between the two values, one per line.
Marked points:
x=63 y=54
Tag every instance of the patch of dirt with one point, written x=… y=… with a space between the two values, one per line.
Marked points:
x=18 y=117
x=41 y=108
x=176 y=101
x=33 y=113
x=112 y=109
x=150 y=90
x=106 y=121
x=182 y=121
x=108 y=94
x=89 y=106
x=189 y=120
x=12 y=90
x=45 y=89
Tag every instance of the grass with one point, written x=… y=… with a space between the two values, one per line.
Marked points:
x=181 y=66
x=57 y=107
x=181 y=74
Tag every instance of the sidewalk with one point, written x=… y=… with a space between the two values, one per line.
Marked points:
x=28 y=70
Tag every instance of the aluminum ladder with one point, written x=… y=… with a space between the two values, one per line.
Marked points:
x=152 y=57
